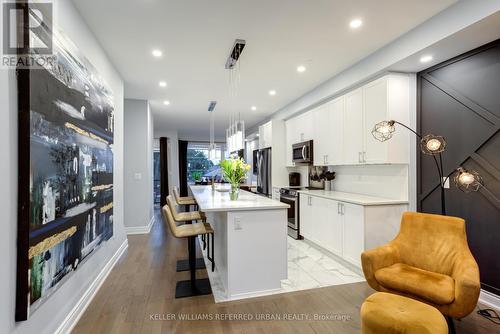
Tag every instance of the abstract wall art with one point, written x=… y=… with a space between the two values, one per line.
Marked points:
x=65 y=172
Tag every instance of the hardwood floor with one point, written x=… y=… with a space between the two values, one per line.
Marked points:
x=138 y=297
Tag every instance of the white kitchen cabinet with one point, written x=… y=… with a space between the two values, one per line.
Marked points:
x=354 y=233
x=385 y=99
x=304 y=129
x=272 y=135
x=353 y=135
x=341 y=129
x=328 y=133
x=290 y=129
x=306 y=216
x=321 y=222
x=265 y=135
x=347 y=229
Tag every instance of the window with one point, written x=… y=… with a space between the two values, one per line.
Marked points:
x=156 y=177
x=199 y=167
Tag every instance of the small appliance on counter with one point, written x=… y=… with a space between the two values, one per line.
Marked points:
x=294 y=179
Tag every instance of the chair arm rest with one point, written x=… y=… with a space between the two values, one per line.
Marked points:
x=377 y=258
x=467 y=285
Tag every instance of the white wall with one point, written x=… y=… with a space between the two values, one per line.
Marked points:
x=173 y=155
x=52 y=313
x=138 y=170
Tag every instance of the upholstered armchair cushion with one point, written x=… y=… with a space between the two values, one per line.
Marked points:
x=434 y=287
x=430 y=261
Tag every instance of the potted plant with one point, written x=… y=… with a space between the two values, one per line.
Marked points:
x=196 y=176
x=234 y=171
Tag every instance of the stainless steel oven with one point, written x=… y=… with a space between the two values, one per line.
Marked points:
x=303 y=152
x=290 y=196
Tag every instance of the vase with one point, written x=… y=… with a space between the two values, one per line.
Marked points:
x=235 y=191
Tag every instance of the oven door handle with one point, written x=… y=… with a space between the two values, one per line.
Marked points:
x=291 y=199
x=303 y=152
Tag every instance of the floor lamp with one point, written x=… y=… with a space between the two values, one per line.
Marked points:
x=434 y=146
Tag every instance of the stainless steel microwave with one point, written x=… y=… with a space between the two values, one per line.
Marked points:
x=303 y=152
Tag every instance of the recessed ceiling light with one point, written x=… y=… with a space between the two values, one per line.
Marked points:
x=272 y=92
x=253 y=108
x=356 y=23
x=426 y=59
x=301 y=68
x=162 y=84
x=166 y=102
x=157 y=53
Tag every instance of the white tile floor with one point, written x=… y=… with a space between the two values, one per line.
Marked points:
x=308 y=268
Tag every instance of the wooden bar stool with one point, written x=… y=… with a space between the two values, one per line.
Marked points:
x=186 y=218
x=193 y=286
x=186 y=201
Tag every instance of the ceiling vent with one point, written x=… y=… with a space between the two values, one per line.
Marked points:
x=238 y=46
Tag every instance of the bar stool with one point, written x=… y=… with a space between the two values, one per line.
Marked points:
x=186 y=201
x=193 y=286
x=188 y=218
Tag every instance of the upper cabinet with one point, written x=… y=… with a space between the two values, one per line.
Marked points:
x=266 y=135
x=298 y=129
x=328 y=135
x=354 y=133
x=341 y=129
x=272 y=135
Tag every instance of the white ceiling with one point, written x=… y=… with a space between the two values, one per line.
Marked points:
x=196 y=37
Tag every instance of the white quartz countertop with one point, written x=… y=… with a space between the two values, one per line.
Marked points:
x=352 y=198
x=214 y=201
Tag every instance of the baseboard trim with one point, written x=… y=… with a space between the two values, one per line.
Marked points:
x=75 y=314
x=141 y=229
x=489 y=299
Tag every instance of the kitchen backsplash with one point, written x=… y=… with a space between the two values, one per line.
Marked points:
x=389 y=181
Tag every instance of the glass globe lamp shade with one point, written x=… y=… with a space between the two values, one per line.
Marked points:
x=467 y=180
x=432 y=145
x=383 y=131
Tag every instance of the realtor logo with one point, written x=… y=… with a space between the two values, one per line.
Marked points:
x=27 y=35
x=27 y=28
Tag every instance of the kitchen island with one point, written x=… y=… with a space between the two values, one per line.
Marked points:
x=250 y=241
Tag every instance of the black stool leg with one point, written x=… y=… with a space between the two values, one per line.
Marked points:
x=192 y=287
x=211 y=259
x=203 y=238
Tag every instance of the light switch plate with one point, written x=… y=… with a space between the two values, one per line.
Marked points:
x=137 y=176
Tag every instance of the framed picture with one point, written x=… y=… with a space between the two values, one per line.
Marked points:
x=65 y=207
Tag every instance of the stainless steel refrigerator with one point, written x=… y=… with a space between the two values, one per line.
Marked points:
x=264 y=185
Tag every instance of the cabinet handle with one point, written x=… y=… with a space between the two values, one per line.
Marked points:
x=309 y=200
x=338 y=208
x=364 y=156
x=342 y=209
x=359 y=157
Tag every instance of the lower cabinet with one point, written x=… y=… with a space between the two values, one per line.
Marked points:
x=346 y=229
x=354 y=232
x=321 y=222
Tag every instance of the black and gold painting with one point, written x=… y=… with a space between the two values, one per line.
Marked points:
x=65 y=171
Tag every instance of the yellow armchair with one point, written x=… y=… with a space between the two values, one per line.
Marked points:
x=429 y=261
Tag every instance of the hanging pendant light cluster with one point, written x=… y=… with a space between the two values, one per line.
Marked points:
x=212 y=147
x=235 y=133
